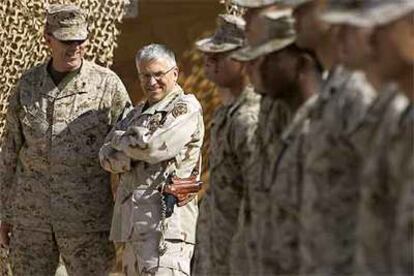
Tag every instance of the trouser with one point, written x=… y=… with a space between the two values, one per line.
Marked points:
x=174 y=262
x=37 y=253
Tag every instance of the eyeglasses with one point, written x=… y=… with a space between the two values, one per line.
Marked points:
x=157 y=75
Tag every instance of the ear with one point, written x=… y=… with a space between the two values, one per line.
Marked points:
x=176 y=71
x=48 y=38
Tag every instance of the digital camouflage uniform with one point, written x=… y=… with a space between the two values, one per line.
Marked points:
x=385 y=137
x=385 y=140
x=282 y=232
x=221 y=231
x=275 y=115
x=146 y=148
x=53 y=190
x=400 y=159
x=51 y=181
x=232 y=145
x=331 y=167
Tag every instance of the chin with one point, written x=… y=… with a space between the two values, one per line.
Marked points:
x=73 y=65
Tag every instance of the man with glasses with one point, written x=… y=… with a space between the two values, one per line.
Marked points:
x=156 y=150
x=55 y=198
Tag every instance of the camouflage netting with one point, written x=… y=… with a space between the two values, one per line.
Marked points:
x=21 y=37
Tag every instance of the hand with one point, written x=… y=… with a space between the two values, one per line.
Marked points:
x=5 y=230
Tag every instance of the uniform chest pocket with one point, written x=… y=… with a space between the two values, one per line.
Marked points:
x=34 y=118
x=87 y=122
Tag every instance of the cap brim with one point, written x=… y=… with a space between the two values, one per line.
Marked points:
x=345 y=17
x=250 y=53
x=71 y=33
x=208 y=45
x=381 y=15
x=296 y=3
x=252 y=4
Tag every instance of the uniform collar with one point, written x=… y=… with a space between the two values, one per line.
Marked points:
x=248 y=90
x=165 y=104
x=73 y=83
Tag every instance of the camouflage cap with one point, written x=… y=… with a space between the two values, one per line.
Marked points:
x=228 y=36
x=366 y=13
x=255 y=3
x=278 y=33
x=66 y=22
x=294 y=3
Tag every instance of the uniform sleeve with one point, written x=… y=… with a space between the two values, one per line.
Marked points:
x=12 y=143
x=112 y=160
x=140 y=143
x=121 y=102
x=243 y=140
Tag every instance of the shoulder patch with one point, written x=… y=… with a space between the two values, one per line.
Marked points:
x=155 y=121
x=179 y=109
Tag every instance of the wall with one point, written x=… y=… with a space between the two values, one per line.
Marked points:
x=176 y=23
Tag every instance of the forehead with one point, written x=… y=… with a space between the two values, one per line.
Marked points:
x=155 y=65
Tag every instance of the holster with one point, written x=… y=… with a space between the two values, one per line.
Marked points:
x=184 y=189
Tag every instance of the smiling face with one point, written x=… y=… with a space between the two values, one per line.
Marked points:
x=66 y=55
x=158 y=78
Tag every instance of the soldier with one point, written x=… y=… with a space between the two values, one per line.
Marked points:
x=268 y=109
x=385 y=220
x=291 y=76
x=272 y=61
x=156 y=150
x=330 y=191
x=232 y=144
x=295 y=76
x=53 y=192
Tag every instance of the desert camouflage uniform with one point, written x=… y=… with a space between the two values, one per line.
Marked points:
x=331 y=166
x=51 y=180
x=232 y=145
x=274 y=116
x=384 y=218
x=146 y=147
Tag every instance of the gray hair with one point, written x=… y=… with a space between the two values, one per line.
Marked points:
x=155 y=51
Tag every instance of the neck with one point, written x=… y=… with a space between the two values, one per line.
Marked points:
x=64 y=69
x=374 y=80
x=406 y=83
x=238 y=87
x=226 y=97
x=310 y=85
x=325 y=53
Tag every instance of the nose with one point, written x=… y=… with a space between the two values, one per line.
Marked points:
x=152 y=80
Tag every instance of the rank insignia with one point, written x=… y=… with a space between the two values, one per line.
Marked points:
x=179 y=109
